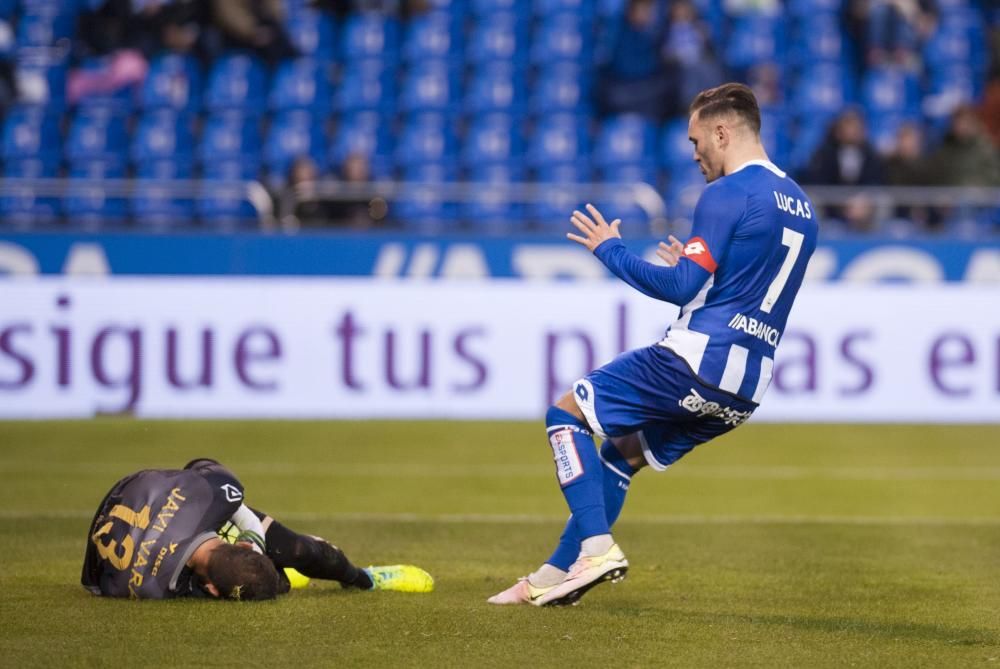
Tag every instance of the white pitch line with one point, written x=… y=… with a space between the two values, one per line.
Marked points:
x=538 y=519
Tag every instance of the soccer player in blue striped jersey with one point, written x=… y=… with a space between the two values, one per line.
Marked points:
x=735 y=280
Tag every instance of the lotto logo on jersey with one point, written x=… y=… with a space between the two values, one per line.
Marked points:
x=697 y=251
x=568 y=465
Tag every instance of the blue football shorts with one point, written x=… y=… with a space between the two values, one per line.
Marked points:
x=653 y=392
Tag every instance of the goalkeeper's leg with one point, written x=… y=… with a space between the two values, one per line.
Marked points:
x=310 y=556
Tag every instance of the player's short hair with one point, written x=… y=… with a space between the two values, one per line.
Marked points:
x=729 y=98
x=242 y=574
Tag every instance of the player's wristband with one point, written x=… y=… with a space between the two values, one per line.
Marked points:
x=255 y=540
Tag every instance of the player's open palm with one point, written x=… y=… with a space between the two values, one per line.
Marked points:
x=595 y=230
x=671 y=253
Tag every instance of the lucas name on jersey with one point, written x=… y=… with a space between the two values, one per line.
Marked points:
x=792 y=205
x=756 y=328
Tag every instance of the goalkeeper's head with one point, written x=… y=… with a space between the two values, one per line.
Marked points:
x=235 y=572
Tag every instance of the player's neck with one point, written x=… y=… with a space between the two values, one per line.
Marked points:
x=199 y=558
x=735 y=159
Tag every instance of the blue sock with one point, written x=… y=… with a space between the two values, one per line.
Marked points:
x=578 y=470
x=617 y=474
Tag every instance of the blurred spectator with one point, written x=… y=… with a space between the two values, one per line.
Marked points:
x=966 y=156
x=847 y=158
x=110 y=74
x=632 y=77
x=765 y=80
x=893 y=31
x=907 y=165
x=255 y=25
x=355 y=210
x=688 y=49
x=989 y=112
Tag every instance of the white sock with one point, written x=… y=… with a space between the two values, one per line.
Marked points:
x=597 y=545
x=546 y=576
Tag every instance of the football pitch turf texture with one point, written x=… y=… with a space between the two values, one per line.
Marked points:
x=774 y=546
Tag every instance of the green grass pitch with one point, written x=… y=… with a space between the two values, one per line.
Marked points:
x=775 y=546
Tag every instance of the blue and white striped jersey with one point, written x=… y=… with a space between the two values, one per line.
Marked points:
x=753 y=234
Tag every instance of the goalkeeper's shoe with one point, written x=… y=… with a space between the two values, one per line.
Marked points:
x=522 y=592
x=400 y=578
x=586 y=572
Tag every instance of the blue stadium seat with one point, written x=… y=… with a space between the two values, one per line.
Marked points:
x=754 y=39
x=492 y=140
x=432 y=36
x=173 y=82
x=154 y=204
x=822 y=90
x=582 y=8
x=303 y=83
x=676 y=149
x=558 y=139
x=24 y=206
x=370 y=36
x=232 y=169
x=428 y=139
x=365 y=87
x=497 y=88
x=421 y=207
x=292 y=135
x=42 y=27
x=774 y=135
x=428 y=87
x=485 y=9
x=225 y=206
x=97 y=134
x=500 y=39
x=889 y=89
x=562 y=196
x=162 y=135
x=620 y=201
x=235 y=81
x=560 y=38
x=683 y=190
x=956 y=41
x=312 y=32
x=628 y=139
x=809 y=134
x=31 y=133
x=230 y=136
x=809 y=8
x=90 y=204
x=367 y=135
x=819 y=38
x=562 y=87
x=493 y=209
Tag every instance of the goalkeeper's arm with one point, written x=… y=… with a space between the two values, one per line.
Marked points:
x=251 y=530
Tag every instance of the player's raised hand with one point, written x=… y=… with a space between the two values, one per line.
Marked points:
x=595 y=230
x=670 y=253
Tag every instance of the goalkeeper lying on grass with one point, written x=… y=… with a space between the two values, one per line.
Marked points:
x=163 y=533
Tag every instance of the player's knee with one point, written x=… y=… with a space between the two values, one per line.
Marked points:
x=305 y=551
x=568 y=404
x=556 y=415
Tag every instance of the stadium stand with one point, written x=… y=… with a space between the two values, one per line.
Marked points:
x=486 y=91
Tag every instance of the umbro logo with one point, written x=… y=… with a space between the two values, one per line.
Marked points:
x=694 y=249
x=233 y=494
